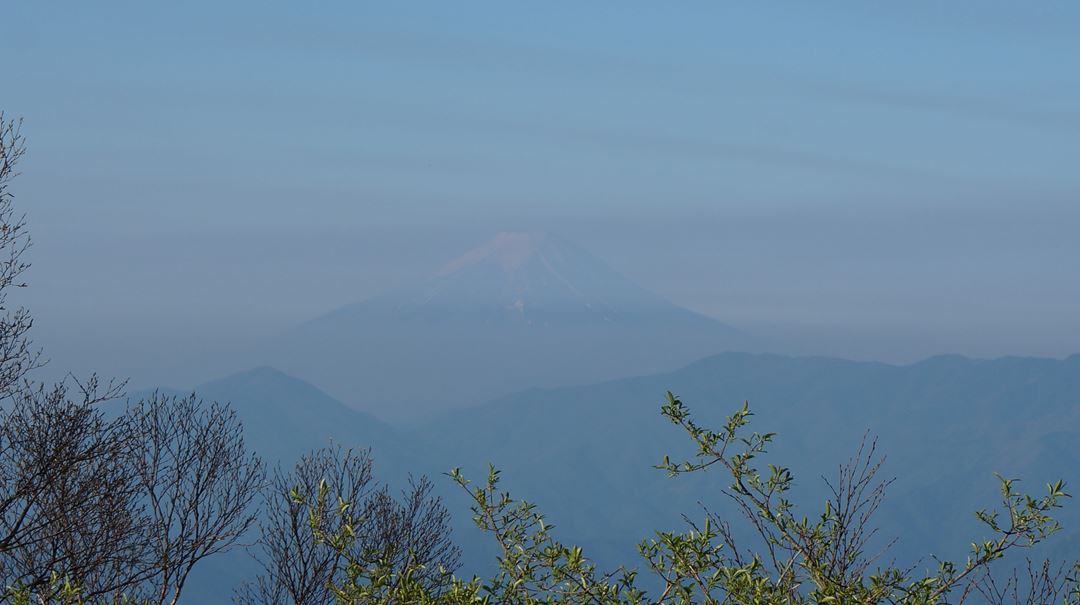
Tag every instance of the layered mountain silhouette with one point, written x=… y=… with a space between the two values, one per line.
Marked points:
x=585 y=454
x=522 y=310
x=268 y=401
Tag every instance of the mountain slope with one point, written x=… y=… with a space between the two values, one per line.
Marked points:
x=520 y=311
x=585 y=454
x=284 y=418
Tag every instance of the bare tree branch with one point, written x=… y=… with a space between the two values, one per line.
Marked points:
x=330 y=494
x=198 y=482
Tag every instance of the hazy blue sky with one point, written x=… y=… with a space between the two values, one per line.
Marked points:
x=883 y=180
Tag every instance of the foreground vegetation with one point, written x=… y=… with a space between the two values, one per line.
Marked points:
x=105 y=503
x=796 y=559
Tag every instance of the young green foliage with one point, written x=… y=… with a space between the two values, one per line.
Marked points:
x=802 y=559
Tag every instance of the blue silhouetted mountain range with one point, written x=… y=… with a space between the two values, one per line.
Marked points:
x=585 y=454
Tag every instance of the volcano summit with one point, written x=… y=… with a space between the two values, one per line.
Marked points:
x=521 y=310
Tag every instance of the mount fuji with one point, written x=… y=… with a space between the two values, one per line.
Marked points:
x=522 y=310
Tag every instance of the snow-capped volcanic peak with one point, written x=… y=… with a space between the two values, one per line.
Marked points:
x=525 y=278
x=536 y=261
x=521 y=310
x=526 y=273
x=508 y=250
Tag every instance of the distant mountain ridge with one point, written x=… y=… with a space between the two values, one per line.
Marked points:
x=946 y=424
x=522 y=310
x=585 y=454
x=267 y=401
